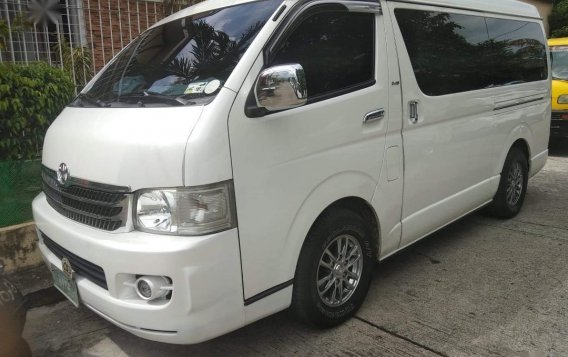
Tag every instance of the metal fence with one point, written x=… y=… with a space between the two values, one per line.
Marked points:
x=80 y=36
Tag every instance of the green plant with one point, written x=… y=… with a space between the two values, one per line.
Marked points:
x=559 y=19
x=77 y=61
x=31 y=96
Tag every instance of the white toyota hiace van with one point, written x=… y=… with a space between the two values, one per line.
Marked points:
x=242 y=157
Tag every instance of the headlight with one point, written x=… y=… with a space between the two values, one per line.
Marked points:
x=186 y=211
x=563 y=99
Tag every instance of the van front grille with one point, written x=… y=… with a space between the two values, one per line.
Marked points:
x=85 y=202
x=82 y=267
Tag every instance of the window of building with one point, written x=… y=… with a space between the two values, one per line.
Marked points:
x=453 y=53
x=336 y=50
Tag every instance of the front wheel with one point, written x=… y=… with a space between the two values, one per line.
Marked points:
x=334 y=270
x=510 y=195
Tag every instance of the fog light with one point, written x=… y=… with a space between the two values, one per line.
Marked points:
x=152 y=287
x=144 y=289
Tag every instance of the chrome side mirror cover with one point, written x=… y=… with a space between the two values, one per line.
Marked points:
x=281 y=87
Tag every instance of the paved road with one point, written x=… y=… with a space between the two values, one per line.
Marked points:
x=478 y=287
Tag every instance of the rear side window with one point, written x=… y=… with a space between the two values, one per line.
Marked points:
x=336 y=50
x=453 y=53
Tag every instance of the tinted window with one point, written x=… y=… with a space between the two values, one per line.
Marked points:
x=518 y=51
x=183 y=62
x=452 y=53
x=336 y=50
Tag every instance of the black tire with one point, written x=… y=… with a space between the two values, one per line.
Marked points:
x=505 y=206
x=336 y=226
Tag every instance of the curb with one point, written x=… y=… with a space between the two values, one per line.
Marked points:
x=18 y=247
x=24 y=266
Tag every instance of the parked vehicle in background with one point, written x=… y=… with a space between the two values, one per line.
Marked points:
x=13 y=313
x=236 y=160
x=559 y=64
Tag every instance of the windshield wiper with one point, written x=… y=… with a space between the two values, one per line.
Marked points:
x=96 y=102
x=156 y=97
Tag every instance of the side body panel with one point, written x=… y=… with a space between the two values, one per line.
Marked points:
x=289 y=166
x=455 y=151
x=387 y=199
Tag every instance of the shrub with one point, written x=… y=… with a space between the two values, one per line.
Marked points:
x=559 y=19
x=31 y=97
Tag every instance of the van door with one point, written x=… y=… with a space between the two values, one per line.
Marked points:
x=448 y=127
x=288 y=166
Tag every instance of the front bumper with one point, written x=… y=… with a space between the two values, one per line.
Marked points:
x=207 y=298
x=559 y=124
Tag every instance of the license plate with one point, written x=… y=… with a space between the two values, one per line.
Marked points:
x=68 y=287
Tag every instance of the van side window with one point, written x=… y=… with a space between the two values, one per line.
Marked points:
x=336 y=50
x=453 y=53
x=523 y=44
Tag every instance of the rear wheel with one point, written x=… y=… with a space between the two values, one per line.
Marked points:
x=334 y=270
x=510 y=195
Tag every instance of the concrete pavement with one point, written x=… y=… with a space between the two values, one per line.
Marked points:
x=478 y=287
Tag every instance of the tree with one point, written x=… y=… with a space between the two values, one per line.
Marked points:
x=213 y=52
x=559 y=19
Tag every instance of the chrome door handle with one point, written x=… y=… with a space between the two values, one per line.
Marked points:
x=375 y=115
x=413 y=111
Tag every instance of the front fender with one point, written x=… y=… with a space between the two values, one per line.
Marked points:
x=334 y=188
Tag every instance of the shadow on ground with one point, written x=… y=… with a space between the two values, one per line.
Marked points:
x=558 y=147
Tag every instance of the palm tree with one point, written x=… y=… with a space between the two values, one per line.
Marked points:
x=213 y=52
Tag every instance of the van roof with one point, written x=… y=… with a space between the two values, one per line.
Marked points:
x=505 y=7
x=203 y=6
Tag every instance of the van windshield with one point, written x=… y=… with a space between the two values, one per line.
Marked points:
x=183 y=62
x=559 y=56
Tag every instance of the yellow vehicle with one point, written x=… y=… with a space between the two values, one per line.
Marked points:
x=559 y=54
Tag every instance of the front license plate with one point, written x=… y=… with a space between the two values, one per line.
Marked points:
x=68 y=287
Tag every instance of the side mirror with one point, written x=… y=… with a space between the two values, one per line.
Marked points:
x=281 y=87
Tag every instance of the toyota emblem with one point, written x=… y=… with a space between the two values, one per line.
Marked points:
x=63 y=173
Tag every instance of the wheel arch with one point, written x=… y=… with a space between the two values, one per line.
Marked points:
x=521 y=138
x=363 y=208
x=349 y=190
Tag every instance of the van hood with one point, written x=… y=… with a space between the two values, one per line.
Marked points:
x=132 y=147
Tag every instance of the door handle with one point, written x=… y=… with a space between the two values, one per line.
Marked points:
x=413 y=111
x=375 y=115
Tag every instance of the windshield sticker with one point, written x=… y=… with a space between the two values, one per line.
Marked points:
x=195 y=88
x=558 y=48
x=212 y=86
